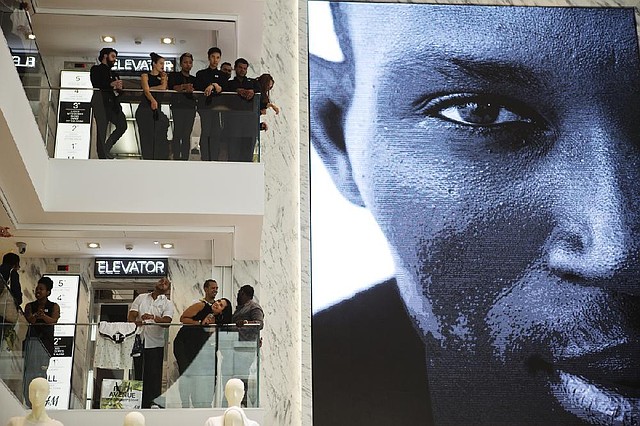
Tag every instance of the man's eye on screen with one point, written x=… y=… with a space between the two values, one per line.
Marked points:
x=478 y=110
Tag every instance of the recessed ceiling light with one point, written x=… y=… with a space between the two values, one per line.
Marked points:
x=31 y=36
x=156 y=242
x=167 y=40
x=167 y=245
x=93 y=245
x=108 y=39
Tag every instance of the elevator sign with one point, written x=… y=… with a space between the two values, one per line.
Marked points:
x=130 y=267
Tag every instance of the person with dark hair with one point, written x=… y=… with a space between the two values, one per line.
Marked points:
x=9 y=272
x=210 y=81
x=153 y=312
x=248 y=313
x=104 y=102
x=266 y=82
x=502 y=168
x=226 y=69
x=248 y=310
x=241 y=146
x=194 y=362
x=41 y=315
x=152 y=122
x=183 y=107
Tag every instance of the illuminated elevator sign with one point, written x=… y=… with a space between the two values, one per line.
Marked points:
x=136 y=65
x=128 y=267
x=24 y=61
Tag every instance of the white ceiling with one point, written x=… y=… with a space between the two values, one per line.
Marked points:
x=72 y=28
x=68 y=36
x=237 y=23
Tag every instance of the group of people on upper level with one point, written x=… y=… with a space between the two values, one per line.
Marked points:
x=194 y=93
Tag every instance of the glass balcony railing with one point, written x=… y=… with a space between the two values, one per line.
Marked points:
x=98 y=366
x=78 y=123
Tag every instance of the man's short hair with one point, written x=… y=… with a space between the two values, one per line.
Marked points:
x=240 y=61
x=248 y=290
x=105 y=51
x=225 y=63
x=10 y=259
x=213 y=50
x=185 y=55
x=48 y=282
x=208 y=282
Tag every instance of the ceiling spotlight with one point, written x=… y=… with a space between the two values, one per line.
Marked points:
x=156 y=242
x=108 y=39
x=93 y=245
x=167 y=40
x=31 y=36
x=167 y=245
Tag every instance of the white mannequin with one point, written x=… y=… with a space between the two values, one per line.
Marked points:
x=234 y=392
x=134 y=418
x=38 y=393
x=234 y=416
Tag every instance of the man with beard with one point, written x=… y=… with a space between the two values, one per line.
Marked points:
x=148 y=310
x=105 y=103
x=243 y=123
x=502 y=168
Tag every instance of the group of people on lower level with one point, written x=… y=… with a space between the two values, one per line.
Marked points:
x=218 y=127
x=155 y=308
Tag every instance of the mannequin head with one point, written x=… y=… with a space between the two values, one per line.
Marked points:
x=38 y=392
x=234 y=392
x=134 y=418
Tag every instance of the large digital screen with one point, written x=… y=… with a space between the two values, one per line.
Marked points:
x=493 y=154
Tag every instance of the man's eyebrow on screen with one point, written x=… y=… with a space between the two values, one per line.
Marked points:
x=489 y=71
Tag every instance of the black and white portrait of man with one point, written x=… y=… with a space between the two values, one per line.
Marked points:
x=498 y=150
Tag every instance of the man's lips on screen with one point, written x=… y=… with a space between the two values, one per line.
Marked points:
x=615 y=365
x=599 y=383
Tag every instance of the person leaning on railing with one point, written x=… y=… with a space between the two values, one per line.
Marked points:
x=190 y=340
x=152 y=122
x=183 y=107
x=41 y=315
x=104 y=102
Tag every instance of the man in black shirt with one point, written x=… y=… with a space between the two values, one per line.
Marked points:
x=209 y=80
x=105 y=104
x=240 y=132
x=226 y=68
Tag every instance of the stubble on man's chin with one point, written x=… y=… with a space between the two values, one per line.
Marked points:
x=503 y=319
x=463 y=274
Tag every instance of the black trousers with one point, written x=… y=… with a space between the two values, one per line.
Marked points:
x=148 y=368
x=152 y=129
x=210 y=134
x=241 y=149
x=103 y=116
x=183 y=119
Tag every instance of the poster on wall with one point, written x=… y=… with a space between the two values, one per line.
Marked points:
x=495 y=151
x=65 y=294
x=121 y=394
x=73 y=134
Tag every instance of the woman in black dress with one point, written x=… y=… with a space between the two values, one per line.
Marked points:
x=196 y=377
x=152 y=122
